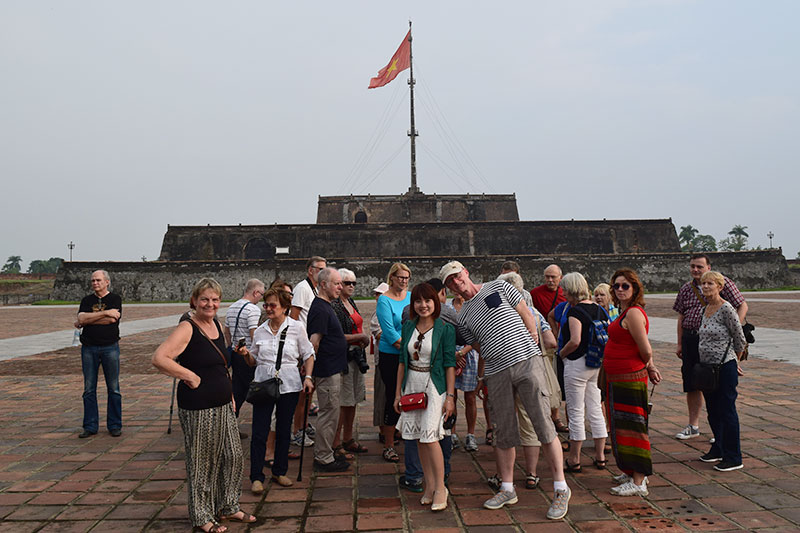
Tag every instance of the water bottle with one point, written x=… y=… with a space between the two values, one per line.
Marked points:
x=76 y=337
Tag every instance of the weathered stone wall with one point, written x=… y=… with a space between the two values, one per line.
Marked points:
x=173 y=281
x=418 y=207
x=458 y=239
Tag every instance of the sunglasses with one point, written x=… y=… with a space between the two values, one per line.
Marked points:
x=270 y=305
x=349 y=283
x=417 y=346
x=623 y=286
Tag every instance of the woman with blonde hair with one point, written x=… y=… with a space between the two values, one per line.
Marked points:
x=205 y=410
x=390 y=311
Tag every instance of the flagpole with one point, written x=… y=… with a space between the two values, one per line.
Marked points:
x=412 y=132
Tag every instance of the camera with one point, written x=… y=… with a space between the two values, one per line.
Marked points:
x=359 y=355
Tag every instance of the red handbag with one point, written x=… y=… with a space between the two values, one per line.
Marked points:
x=412 y=402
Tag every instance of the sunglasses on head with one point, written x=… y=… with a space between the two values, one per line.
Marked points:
x=349 y=283
x=623 y=286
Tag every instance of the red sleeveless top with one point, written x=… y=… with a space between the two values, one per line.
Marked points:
x=621 y=354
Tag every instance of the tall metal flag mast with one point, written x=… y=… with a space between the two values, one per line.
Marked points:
x=412 y=132
x=400 y=61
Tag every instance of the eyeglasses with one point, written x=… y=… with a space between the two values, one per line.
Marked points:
x=402 y=278
x=623 y=286
x=270 y=305
x=349 y=283
x=417 y=346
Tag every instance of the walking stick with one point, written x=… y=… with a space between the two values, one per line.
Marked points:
x=303 y=442
x=171 y=405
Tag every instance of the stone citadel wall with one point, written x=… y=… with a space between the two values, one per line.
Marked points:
x=173 y=280
x=435 y=239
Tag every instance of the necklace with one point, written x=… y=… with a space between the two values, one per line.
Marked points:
x=275 y=329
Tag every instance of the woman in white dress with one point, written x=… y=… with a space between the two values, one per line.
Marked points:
x=427 y=364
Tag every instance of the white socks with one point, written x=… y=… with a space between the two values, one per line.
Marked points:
x=560 y=485
x=508 y=487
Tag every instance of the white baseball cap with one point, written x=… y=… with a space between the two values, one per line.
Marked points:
x=382 y=288
x=453 y=267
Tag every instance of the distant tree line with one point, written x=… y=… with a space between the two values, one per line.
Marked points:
x=692 y=240
x=38 y=266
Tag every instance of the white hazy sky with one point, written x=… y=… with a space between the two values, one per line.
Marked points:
x=118 y=118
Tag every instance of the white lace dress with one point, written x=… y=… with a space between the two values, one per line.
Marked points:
x=424 y=425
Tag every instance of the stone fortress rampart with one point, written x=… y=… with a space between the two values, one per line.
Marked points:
x=173 y=280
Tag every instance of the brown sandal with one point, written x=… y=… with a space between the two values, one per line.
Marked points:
x=355 y=447
x=560 y=426
x=340 y=453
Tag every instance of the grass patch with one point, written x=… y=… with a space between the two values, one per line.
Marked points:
x=24 y=281
x=55 y=302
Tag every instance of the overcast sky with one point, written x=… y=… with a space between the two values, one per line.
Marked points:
x=118 y=118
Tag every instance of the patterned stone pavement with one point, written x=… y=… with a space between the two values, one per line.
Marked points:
x=52 y=481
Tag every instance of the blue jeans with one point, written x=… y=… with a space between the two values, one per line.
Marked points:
x=91 y=359
x=722 y=415
x=262 y=414
x=414 y=467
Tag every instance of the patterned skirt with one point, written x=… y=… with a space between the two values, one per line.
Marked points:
x=626 y=400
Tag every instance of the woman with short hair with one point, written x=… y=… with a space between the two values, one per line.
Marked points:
x=580 y=380
x=721 y=343
x=205 y=410
x=283 y=335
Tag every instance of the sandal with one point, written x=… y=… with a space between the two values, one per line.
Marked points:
x=565 y=445
x=244 y=518
x=490 y=437
x=390 y=455
x=293 y=455
x=215 y=528
x=600 y=465
x=560 y=426
x=313 y=410
x=355 y=447
x=340 y=453
x=575 y=469
x=494 y=482
x=531 y=481
x=268 y=463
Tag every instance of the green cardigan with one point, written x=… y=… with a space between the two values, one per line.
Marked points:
x=443 y=351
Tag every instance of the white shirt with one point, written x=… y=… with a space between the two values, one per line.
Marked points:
x=303 y=295
x=265 y=352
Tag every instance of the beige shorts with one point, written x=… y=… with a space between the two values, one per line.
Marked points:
x=353 y=389
x=527 y=435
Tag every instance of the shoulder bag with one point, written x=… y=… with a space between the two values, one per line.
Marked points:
x=705 y=376
x=268 y=390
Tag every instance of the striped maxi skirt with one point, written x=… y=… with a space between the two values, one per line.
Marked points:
x=626 y=400
x=213 y=462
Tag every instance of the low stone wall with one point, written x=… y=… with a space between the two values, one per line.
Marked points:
x=173 y=280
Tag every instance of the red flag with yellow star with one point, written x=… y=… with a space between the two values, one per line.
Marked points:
x=400 y=61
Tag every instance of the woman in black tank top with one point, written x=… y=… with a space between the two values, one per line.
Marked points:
x=195 y=354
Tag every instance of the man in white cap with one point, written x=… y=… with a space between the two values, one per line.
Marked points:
x=497 y=323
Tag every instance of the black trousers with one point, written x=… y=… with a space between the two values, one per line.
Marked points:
x=242 y=376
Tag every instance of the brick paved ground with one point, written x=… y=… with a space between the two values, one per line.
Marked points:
x=52 y=481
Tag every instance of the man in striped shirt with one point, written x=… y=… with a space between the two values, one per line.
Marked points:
x=497 y=323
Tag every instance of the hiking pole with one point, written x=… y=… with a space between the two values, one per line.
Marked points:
x=171 y=405
x=303 y=442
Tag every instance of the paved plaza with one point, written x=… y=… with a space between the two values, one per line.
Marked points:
x=52 y=481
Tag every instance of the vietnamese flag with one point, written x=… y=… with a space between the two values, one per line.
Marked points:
x=400 y=61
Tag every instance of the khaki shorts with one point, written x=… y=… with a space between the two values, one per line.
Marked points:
x=353 y=389
x=527 y=435
x=526 y=380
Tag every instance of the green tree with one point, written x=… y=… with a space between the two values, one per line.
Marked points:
x=686 y=236
x=737 y=240
x=704 y=243
x=12 y=265
x=40 y=266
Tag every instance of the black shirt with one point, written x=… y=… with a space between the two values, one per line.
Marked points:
x=100 y=334
x=586 y=328
x=332 y=353
x=204 y=360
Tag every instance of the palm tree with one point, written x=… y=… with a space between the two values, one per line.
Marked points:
x=739 y=231
x=13 y=264
x=687 y=235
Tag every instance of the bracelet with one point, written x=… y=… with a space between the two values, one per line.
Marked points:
x=309 y=377
x=451 y=395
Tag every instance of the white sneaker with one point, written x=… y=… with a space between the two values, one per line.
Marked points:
x=455 y=441
x=471 y=445
x=688 y=432
x=624 y=478
x=297 y=439
x=630 y=489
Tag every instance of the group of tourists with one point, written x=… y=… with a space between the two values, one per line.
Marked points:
x=521 y=353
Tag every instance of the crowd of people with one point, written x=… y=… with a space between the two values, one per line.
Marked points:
x=522 y=354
